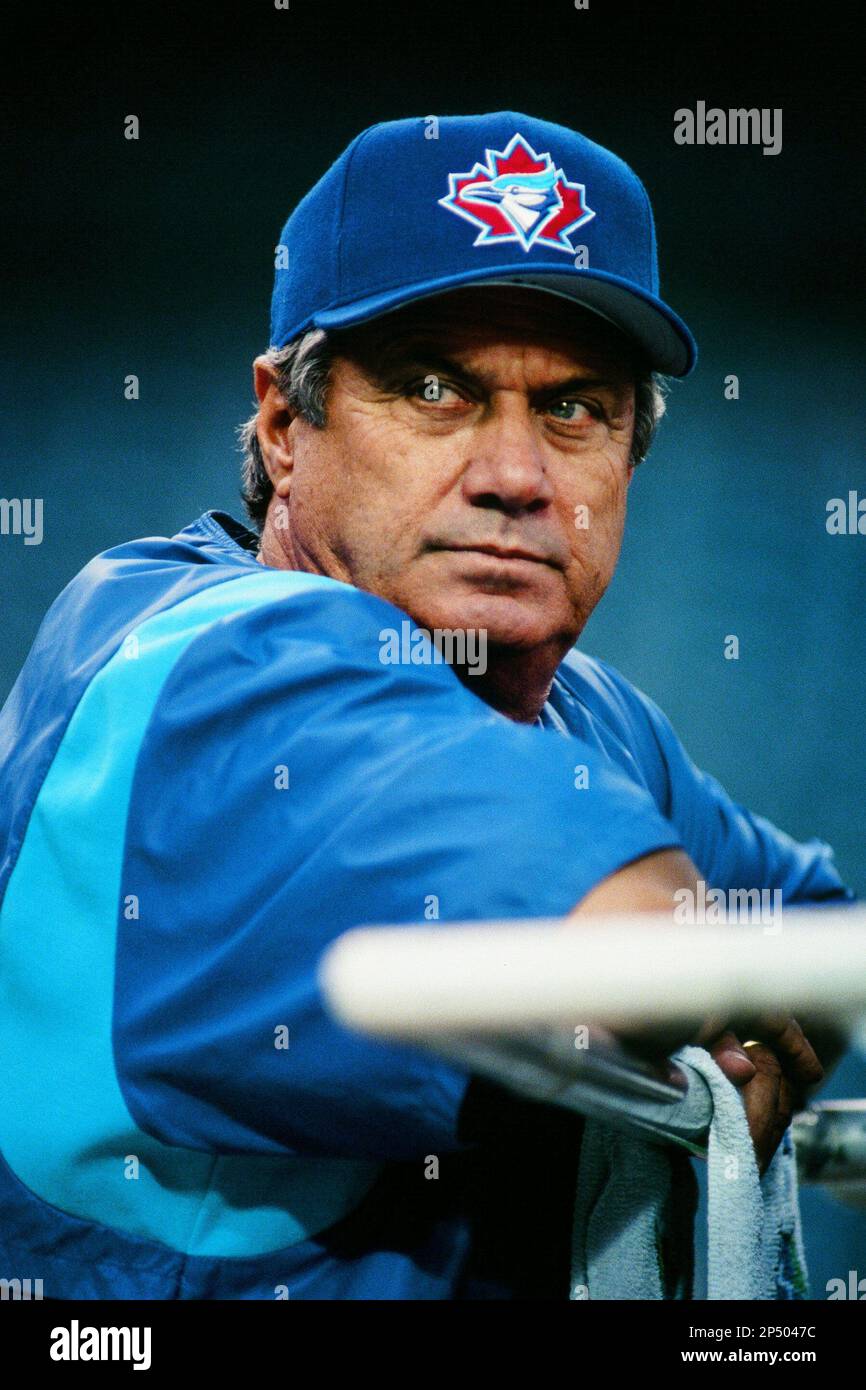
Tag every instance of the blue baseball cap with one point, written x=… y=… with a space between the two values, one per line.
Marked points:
x=421 y=206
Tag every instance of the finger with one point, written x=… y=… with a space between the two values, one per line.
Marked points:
x=760 y=1097
x=730 y=1056
x=796 y=1054
x=768 y=1102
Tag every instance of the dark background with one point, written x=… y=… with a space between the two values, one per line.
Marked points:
x=155 y=257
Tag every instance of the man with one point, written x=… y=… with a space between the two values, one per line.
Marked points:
x=213 y=763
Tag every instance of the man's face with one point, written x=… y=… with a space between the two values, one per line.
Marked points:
x=474 y=465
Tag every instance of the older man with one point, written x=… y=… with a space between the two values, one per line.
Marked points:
x=214 y=762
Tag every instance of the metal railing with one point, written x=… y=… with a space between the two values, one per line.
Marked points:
x=532 y=1006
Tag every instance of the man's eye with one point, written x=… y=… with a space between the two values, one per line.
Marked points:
x=571 y=411
x=431 y=388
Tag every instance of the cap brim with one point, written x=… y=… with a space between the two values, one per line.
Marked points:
x=660 y=333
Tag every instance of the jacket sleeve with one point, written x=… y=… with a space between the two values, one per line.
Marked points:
x=291 y=785
x=731 y=846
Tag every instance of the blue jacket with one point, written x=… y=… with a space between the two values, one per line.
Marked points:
x=207 y=772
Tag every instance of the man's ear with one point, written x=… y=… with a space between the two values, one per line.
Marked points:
x=273 y=427
x=630 y=474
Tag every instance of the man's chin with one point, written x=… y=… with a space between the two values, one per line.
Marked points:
x=504 y=620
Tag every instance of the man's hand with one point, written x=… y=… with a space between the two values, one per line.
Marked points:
x=774 y=1070
x=776 y=1066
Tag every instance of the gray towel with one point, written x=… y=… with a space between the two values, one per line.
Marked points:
x=636 y=1203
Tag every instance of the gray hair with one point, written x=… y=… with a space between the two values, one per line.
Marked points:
x=302 y=369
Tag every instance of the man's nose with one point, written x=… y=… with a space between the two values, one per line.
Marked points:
x=506 y=467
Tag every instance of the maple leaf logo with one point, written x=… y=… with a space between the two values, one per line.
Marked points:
x=518 y=195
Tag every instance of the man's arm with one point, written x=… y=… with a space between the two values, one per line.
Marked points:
x=292 y=785
x=734 y=847
x=646 y=885
x=731 y=846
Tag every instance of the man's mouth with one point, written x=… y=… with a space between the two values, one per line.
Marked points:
x=500 y=552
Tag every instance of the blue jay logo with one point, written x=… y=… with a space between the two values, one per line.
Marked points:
x=518 y=195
